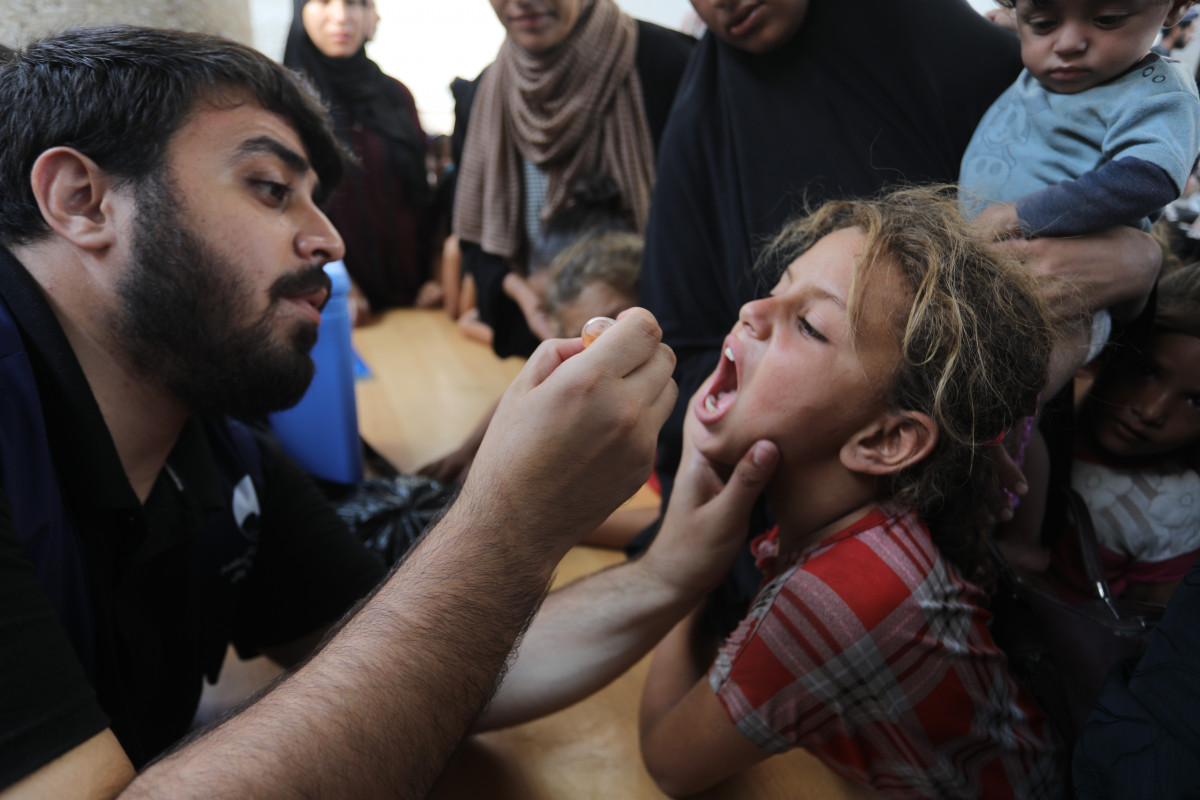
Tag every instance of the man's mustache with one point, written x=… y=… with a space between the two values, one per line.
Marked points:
x=301 y=282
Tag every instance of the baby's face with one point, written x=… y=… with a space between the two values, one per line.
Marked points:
x=795 y=371
x=1073 y=45
x=1148 y=407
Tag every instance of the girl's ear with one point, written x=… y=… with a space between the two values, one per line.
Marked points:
x=894 y=441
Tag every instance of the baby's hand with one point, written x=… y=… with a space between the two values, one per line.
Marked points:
x=997 y=222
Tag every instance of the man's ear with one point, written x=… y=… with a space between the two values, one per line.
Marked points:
x=75 y=197
x=894 y=441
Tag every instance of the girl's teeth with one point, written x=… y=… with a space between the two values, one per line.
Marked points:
x=710 y=403
x=729 y=353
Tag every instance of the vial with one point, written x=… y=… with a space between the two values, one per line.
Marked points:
x=594 y=327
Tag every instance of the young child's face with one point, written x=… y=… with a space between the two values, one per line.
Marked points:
x=1073 y=45
x=1145 y=408
x=598 y=299
x=757 y=26
x=792 y=370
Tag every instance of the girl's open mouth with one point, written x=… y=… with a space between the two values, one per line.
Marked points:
x=720 y=392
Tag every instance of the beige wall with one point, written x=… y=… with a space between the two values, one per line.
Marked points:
x=22 y=20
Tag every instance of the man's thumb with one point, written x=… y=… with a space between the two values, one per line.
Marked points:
x=751 y=474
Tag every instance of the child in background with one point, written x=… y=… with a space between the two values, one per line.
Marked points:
x=595 y=209
x=585 y=265
x=596 y=276
x=1137 y=450
x=892 y=352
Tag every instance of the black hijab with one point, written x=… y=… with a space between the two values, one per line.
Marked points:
x=359 y=91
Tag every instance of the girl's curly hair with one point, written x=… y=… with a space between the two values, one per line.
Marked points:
x=975 y=344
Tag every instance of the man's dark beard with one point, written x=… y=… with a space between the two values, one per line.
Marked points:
x=185 y=318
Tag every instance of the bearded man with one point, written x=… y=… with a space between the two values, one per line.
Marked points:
x=161 y=253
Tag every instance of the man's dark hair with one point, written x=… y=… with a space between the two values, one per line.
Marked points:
x=118 y=94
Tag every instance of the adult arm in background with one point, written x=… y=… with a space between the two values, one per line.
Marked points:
x=378 y=710
x=1114 y=269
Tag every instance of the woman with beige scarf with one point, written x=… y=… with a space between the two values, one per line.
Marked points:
x=577 y=88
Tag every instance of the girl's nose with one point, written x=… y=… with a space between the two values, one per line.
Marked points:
x=755 y=317
x=1151 y=406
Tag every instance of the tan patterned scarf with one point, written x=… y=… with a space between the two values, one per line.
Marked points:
x=573 y=110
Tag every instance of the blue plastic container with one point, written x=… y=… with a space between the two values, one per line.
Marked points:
x=321 y=431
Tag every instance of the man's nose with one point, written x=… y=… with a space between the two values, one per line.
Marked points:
x=319 y=241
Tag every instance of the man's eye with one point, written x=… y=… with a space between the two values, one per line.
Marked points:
x=275 y=191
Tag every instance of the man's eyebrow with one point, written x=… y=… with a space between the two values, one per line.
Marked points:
x=265 y=144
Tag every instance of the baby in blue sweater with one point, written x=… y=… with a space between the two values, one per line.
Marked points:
x=1097 y=131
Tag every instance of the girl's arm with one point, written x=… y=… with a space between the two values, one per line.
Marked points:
x=688 y=740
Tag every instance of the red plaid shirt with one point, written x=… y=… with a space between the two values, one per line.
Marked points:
x=873 y=653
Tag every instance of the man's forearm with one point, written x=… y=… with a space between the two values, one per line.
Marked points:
x=378 y=710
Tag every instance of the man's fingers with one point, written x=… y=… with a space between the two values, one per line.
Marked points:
x=751 y=475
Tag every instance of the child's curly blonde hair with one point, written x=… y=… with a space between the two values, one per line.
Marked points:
x=975 y=344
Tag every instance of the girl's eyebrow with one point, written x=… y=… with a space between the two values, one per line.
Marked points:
x=826 y=294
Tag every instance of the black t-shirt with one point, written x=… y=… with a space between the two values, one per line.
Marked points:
x=161 y=614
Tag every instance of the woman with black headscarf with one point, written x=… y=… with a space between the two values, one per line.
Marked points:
x=381 y=208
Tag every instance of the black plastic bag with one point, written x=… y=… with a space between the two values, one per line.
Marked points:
x=390 y=514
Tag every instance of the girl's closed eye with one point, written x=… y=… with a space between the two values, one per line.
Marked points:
x=807 y=328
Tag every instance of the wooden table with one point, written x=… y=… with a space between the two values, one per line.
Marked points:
x=430 y=386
